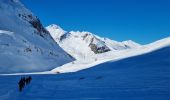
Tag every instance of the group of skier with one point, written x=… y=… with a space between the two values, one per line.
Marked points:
x=24 y=81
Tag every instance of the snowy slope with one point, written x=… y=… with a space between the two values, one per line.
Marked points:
x=144 y=77
x=25 y=45
x=82 y=45
x=116 y=46
x=53 y=29
x=111 y=56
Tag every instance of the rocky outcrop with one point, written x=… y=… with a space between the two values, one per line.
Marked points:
x=35 y=23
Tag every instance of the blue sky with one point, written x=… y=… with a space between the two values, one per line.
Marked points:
x=143 y=21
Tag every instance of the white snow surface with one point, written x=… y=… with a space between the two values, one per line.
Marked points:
x=30 y=49
x=25 y=45
x=143 y=77
x=112 y=56
x=77 y=43
x=55 y=29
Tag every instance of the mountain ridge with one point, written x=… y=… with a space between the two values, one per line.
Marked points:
x=76 y=42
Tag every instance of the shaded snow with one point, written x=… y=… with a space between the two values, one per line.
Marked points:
x=144 y=77
x=25 y=45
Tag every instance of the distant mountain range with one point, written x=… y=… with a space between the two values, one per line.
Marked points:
x=85 y=44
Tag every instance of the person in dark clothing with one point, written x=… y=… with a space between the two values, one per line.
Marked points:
x=28 y=80
x=21 y=84
x=24 y=81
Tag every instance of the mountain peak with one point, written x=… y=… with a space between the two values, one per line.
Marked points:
x=82 y=44
x=128 y=41
x=54 y=26
x=55 y=31
x=131 y=44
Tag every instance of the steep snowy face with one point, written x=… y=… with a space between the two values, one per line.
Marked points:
x=95 y=44
x=25 y=45
x=85 y=44
x=53 y=29
x=15 y=17
x=80 y=45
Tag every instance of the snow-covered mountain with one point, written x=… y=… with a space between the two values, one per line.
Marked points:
x=25 y=45
x=115 y=45
x=84 y=44
x=112 y=56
